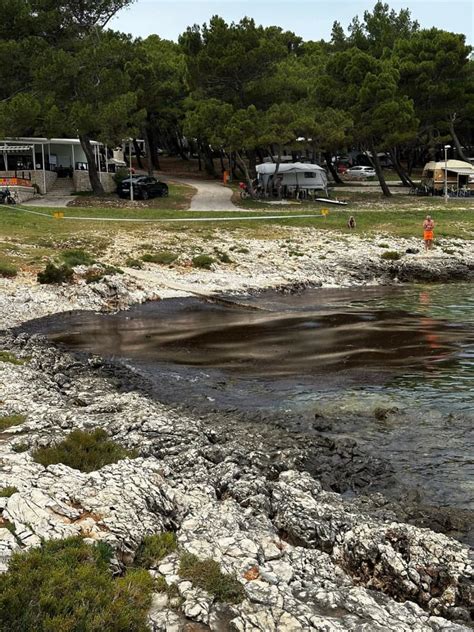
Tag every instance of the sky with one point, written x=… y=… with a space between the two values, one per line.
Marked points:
x=310 y=19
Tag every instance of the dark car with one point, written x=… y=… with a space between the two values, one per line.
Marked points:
x=144 y=187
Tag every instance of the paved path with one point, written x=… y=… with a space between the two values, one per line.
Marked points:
x=210 y=196
x=49 y=201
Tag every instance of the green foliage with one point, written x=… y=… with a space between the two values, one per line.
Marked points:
x=391 y=255
x=83 y=450
x=244 y=251
x=134 y=263
x=121 y=175
x=6 y=356
x=20 y=447
x=222 y=256
x=11 y=420
x=7 y=270
x=154 y=548
x=6 y=492
x=203 y=261
x=77 y=257
x=65 y=585
x=206 y=574
x=55 y=274
x=93 y=275
x=164 y=257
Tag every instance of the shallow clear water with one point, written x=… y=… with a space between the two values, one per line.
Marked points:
x=391 y=367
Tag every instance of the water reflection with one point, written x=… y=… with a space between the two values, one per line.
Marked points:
x=343 y=354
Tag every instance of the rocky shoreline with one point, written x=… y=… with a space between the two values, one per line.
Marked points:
x=320 y=562
x=252 y=497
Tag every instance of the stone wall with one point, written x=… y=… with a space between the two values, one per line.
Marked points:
x=22 y=193
x=36 y=177
x=82 y=182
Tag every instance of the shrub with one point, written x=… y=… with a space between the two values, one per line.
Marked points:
x=203 y=261
x=206 y=574
x=11 y=420
x=55 y=274
x=121 y=175
x=384 y=246
x=390 y=255
x=154 y=548
x=20 y=447
x=6 y=492
x=6 y=356
x=134 y=263
x=164 y=257
x=83 y=450
x=244 y=251
x=7 y=270
x=224 y=257
x=77 y=257
x=93 y=275
x=66 y=585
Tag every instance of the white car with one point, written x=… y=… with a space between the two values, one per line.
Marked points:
x=360 y=171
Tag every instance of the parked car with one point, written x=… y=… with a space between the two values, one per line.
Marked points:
x=144 y=187
x=360 y=172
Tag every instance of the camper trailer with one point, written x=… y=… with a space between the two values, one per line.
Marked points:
x=295 y=177
x=459 y=176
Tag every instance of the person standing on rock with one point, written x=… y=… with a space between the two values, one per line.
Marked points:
x=428 y=228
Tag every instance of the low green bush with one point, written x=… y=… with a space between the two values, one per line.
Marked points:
x=154 y=548
x=66 y=586
x=6 y=492
x=224 y=257
x=244 y=251
x=7 y=270
x=6 y=356
x=390 y=255
x=206 y=574
x=77 y=257
x=203 y=261
x=55 y=274
x=134 y=263
x=20 y=447
x=8 y=421
x=82 y=450
x=384 y=246
x=165 y=257
x=93 y=275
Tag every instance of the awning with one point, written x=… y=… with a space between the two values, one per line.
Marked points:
x=462 y=172
x=294 y=167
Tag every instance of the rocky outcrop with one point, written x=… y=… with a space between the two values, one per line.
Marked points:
x=307 y=558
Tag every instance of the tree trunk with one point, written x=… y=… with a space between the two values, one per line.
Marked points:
x=455 y=138
x=209 y=161
x=404 y=177
x=379 y=171
x=181 y=151
x=149 y=151
x=431 y=145
x=221 y=156
x=138 y=154
x=332 y=168
x=244 y=168
x=94 y=178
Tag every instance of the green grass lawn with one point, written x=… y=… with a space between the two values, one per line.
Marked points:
x=28 y=240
